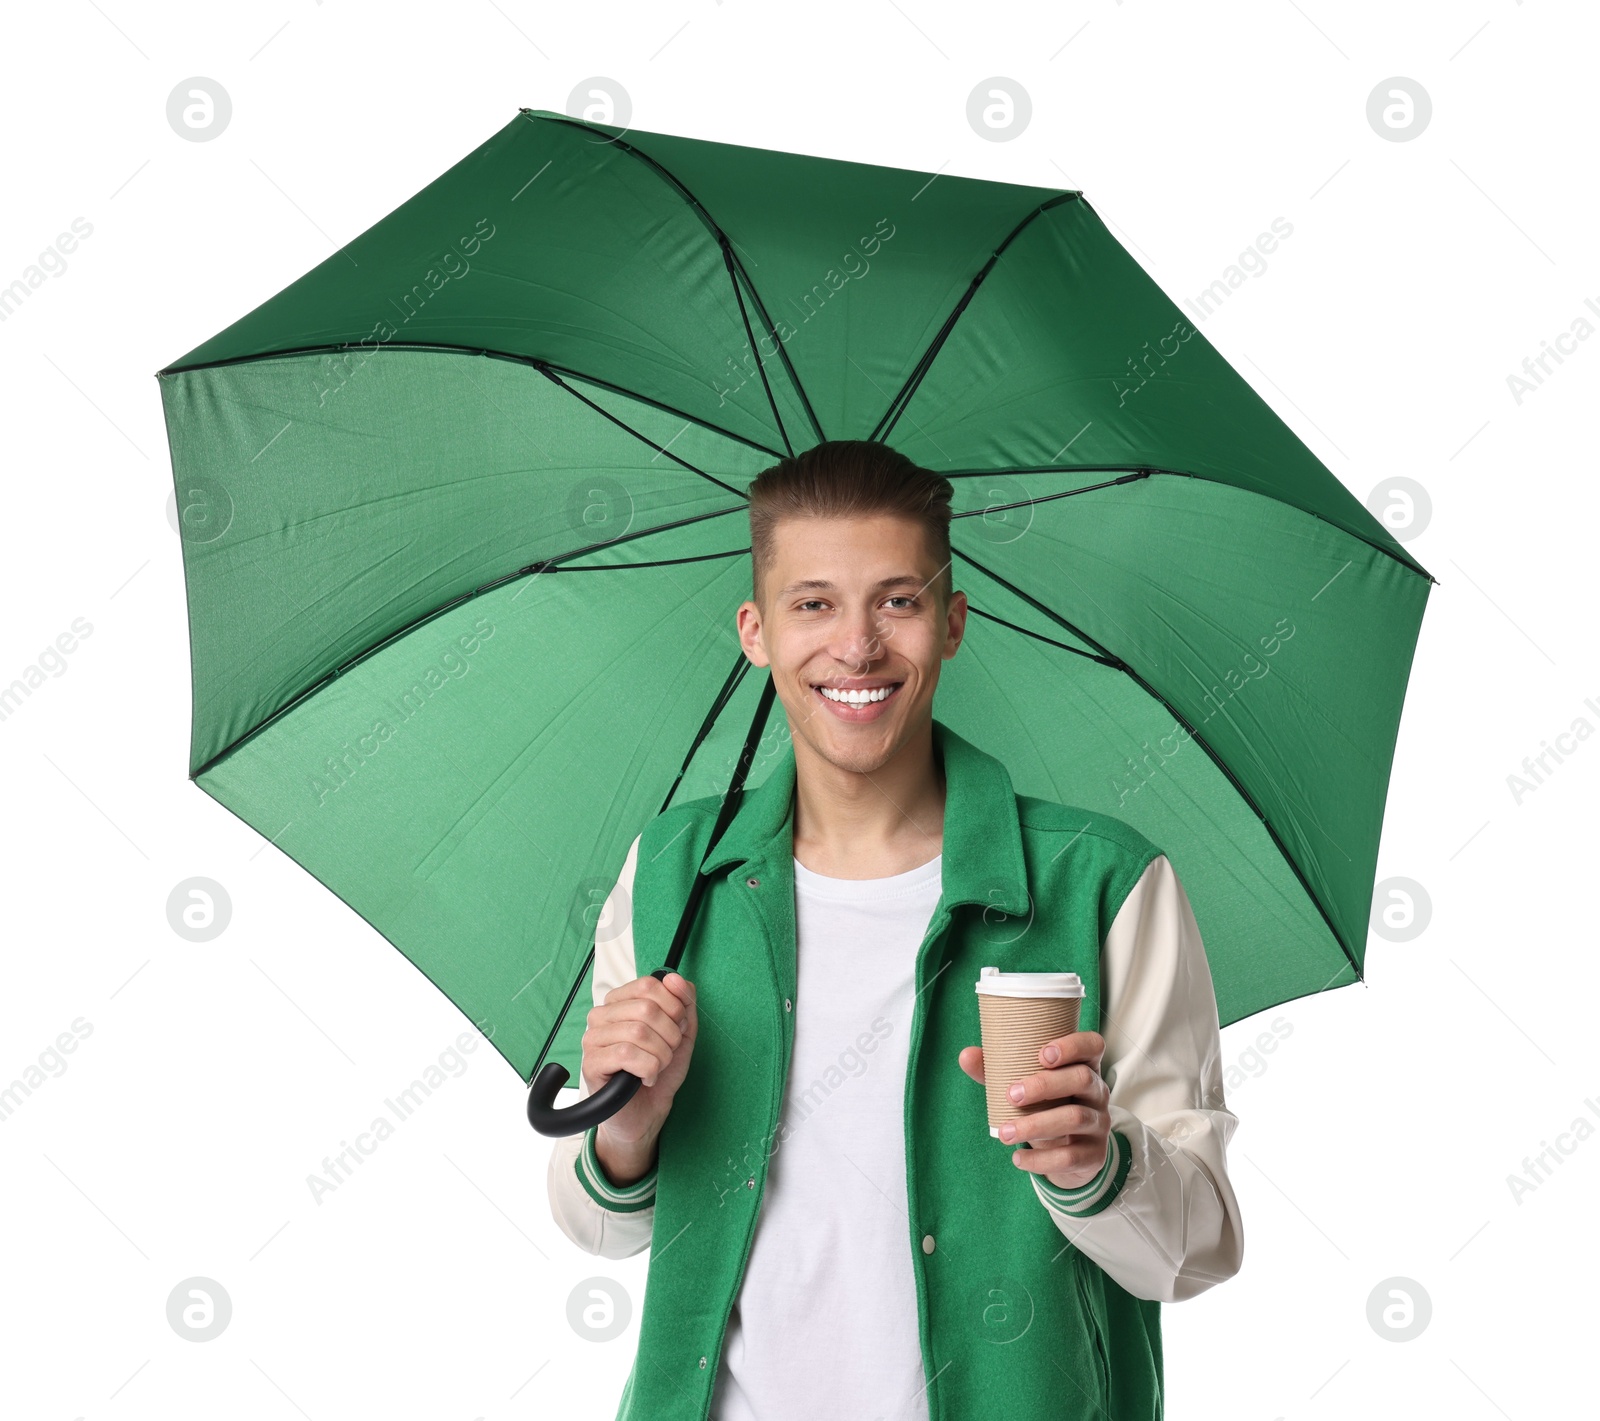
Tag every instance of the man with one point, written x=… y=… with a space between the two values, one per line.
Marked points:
x=833 y=1231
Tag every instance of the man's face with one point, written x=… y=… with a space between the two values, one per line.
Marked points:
x=853 y=604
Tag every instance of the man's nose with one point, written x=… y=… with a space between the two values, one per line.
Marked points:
x=858 y=639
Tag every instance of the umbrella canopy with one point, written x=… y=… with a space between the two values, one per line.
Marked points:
x=464 y=531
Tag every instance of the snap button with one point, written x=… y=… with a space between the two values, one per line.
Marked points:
x=787 y=1004
x=702 y=1364
x=927 y=1243
x=749 y=1184
x=752 y=883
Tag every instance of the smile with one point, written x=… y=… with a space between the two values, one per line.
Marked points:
x=858 y=706
x=858 y=698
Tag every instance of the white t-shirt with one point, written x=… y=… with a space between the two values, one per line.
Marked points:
x=826 y=1317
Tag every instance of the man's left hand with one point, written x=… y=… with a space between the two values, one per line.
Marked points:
x=1068 y=1139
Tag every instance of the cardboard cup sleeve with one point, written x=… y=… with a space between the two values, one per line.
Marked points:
x=1017 y=1013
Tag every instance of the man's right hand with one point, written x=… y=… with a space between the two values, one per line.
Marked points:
x=647 y=1026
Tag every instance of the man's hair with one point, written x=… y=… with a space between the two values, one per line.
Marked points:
x=849 y=478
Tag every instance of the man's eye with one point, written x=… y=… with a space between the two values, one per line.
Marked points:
x=903 y=597
x=812 y=602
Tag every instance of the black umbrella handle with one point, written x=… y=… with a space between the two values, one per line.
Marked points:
x=592 y=1110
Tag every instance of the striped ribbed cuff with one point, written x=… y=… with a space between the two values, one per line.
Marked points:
x=623 y=1199
x=1089 y=1199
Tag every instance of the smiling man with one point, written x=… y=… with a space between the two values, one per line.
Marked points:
x=833 y=1230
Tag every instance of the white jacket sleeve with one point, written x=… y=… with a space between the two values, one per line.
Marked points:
x=594 y=1213
x=1161 y=1217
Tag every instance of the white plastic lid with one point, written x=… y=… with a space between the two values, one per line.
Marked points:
x=992 y=982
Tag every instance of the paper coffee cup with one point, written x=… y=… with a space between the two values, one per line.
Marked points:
x=1017 y=1013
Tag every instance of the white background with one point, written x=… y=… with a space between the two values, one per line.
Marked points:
x=1375 y=1142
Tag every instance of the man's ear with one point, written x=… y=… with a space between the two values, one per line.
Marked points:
x=955 y=623
x=748 y=619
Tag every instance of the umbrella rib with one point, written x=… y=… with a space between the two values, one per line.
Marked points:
x=1139 y=471
x=555 y=379
x=897 y=405
x=550 y=564
x=783 y=350
x=1119 y=664
x=1128 y=478
x=1048 y=641
x=537 y=362
x=643 y=399
x=626 y=566
x=750 y=340
x=735 y=270
x=734 y=679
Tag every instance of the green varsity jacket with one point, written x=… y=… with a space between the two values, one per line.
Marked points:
x=1014 y=1320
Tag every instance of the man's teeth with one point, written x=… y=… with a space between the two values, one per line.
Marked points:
x=856 y=698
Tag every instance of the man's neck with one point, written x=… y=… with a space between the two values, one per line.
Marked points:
x=869 y=825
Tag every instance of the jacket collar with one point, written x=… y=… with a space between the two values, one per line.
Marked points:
x=983 y=861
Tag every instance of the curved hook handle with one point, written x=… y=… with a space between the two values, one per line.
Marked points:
x=592 y=1110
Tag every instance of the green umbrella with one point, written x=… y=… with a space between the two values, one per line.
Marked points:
x=464 y=530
